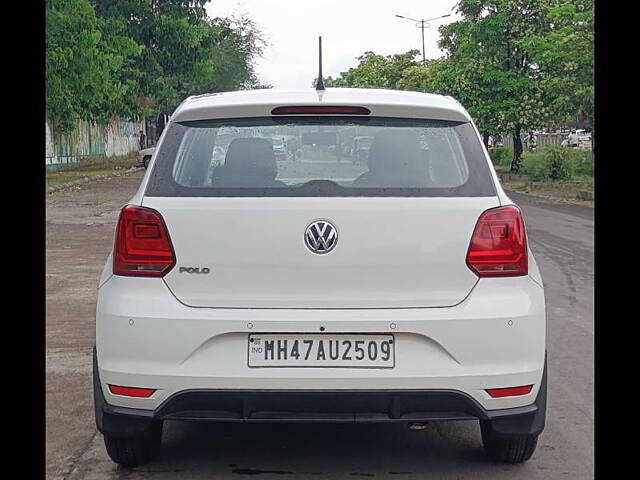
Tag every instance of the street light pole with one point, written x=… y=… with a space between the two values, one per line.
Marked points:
x=422 y=24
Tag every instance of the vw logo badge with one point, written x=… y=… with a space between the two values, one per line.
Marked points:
x=321 y=237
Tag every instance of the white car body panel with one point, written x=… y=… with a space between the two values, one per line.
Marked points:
x=469 y=347
x=453 y=331
x=259 y=103
x=385 y=258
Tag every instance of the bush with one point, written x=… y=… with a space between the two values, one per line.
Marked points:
x=584 y=164
x=557 y=163
x=560 y=161
x=535 y=166
x=501 y=155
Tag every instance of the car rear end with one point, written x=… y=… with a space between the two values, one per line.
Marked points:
x=400 y=290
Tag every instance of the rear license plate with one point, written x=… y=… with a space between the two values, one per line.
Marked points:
x=321 y=350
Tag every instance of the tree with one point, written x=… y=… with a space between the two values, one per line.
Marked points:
x=184 y=51
x=138 y=57
x=565 y=55
x=237 y=43
x=83 y=65
x=375 y=71
x=514 y=64
x=472 y=87
x=488 y=46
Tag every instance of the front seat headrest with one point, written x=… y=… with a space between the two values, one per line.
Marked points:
x=395 y=151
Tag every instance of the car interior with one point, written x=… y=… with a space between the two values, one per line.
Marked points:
x=396 y=158
x=249 y=162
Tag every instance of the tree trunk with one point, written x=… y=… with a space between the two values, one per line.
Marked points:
x=485 y=140
x=516 y=163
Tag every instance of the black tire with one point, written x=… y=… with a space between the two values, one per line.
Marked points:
x=136 y=450
x=145 y=162
x=516 y=449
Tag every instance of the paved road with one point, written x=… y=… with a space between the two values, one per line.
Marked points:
x=79 y=234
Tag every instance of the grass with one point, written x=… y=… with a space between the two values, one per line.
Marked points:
x=92 y=167
x=576 y=169
x=563 y=192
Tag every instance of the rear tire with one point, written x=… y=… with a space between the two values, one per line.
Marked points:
x=512 y=449
x=135 y=450
x=145 y=162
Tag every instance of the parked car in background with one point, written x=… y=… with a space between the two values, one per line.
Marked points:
x=579 y=138
x=583 y=134
x=145 y=156
x=584 y=139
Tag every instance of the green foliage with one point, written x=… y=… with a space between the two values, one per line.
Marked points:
x=83 y=65
x=505 y=88
x=583 y=164
x=509 y=56
x=132 y=57
x=185 y=51
x=555 y=163
x=501 y=155
x=376 y=71
x=535 y=166
x=515 y=65
x=566 y=56
x=559 y=161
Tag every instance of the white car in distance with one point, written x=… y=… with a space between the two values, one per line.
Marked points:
x=145 y=155
x=400 y=290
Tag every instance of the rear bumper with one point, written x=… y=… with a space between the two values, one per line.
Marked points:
x=494 y=338
x=319 y=406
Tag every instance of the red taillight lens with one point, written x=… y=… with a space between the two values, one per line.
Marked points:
x=131 y=391
x=321 y=110
x=499 y=244
x=143 y=247
x=509 y=391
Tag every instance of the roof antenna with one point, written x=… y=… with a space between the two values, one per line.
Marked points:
x=319 y=83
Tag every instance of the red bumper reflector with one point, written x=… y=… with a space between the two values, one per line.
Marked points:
x=132 y=391
x=509 y=391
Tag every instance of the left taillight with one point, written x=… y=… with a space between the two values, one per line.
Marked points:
x=142 y=245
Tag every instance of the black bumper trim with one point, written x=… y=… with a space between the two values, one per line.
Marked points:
x=320 y=407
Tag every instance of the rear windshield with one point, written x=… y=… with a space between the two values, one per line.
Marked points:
x=320 y=156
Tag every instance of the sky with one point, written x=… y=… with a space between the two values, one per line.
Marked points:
x=348 y=28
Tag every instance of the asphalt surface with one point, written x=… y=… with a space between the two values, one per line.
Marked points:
x=80 y=225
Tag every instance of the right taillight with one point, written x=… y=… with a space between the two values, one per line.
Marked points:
x=499 y=244
x=142 y=247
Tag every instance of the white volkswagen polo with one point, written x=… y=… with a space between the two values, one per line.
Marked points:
x=311 y=287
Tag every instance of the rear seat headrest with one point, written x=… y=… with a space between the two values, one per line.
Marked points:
x=395 y=149
x=251 y=157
